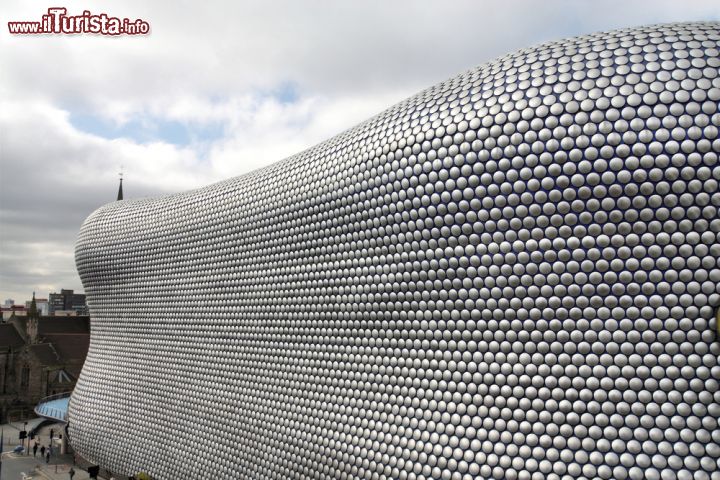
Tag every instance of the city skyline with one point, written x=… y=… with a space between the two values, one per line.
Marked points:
x=217 y=92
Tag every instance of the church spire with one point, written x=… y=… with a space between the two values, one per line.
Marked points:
x=32 y=321
x=120 y=192
x=33 y=313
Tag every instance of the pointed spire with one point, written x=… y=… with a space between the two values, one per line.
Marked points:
x=120 y=192
x=33 y=313
x=32 y=321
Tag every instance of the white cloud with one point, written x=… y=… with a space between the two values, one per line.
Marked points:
x=66 y=173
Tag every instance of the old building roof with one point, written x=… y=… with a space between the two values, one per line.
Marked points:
x=45 y=354
x=9 y=336
x=62 y=340
x=70 y=346
x=63 y=325
x=20 y=326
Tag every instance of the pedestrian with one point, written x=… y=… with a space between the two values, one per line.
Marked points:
x=47 y=456
x=71 y=473
x=42 y=451
x=52 y=434
x=35 y=447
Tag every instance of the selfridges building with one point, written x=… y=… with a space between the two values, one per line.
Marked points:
x=514 y=274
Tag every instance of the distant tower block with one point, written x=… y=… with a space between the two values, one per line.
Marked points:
x=511 y=275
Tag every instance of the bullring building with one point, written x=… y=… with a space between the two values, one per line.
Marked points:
x=513 y=274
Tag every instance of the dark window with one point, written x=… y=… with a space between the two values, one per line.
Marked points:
x=25 y=378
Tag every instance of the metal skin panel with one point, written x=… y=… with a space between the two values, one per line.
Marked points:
x=513 y=274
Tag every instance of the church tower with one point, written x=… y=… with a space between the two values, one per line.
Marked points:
x=33 y=317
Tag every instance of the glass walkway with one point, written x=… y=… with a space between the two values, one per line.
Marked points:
x=54 y=407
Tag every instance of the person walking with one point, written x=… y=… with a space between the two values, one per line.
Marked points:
x=35 y=448
x=47 y=456
x=71 y=473
x=42 y=451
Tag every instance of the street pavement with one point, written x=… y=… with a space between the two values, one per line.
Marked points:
x=14 y=465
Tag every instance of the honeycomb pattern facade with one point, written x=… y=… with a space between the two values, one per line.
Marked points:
x=513 y=274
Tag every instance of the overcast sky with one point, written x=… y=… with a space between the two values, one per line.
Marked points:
x=221 y=88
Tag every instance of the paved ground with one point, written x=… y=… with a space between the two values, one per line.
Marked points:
x=14 y=465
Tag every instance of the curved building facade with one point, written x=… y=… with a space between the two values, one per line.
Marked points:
x=513 y=274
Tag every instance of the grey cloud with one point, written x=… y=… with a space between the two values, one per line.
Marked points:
x=334 y=48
